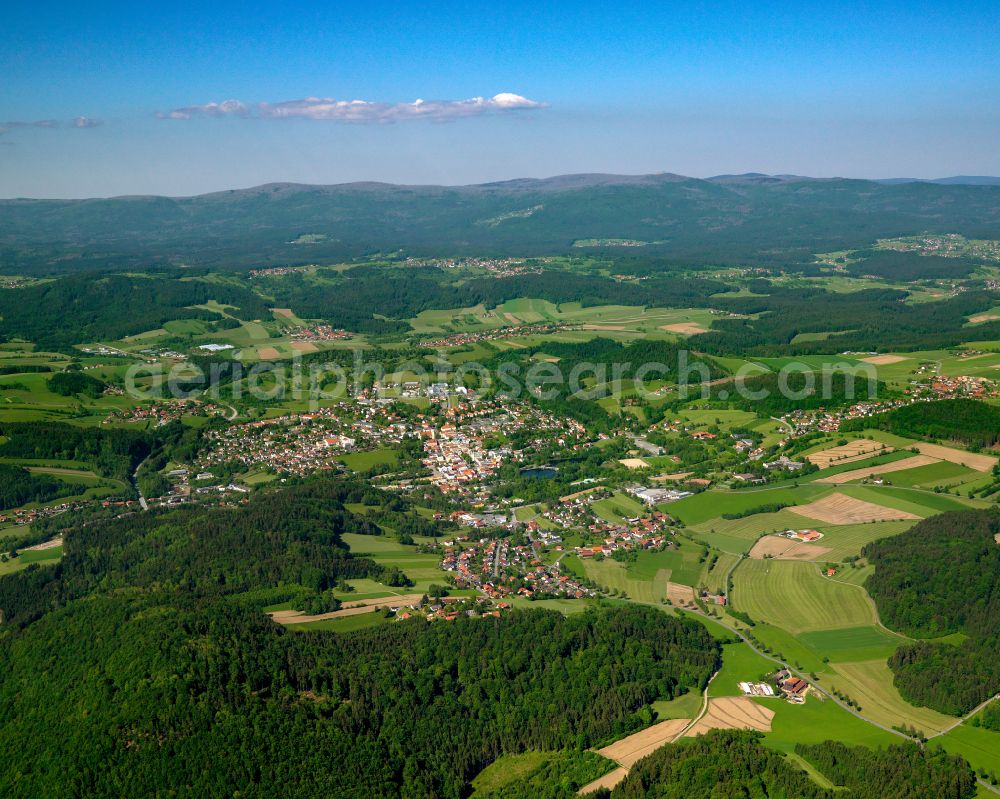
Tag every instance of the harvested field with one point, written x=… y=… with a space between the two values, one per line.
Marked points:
x=603 y=327
x=971 y=460
x=883 y=360
x=286 y=312
x=633 y=463
x=983 y=317
x=628 y=750
x=609 y=781
x=304 y=346
x=361 y=606
x=733 y=713
x=680 y=594
x=848 y=453
x=782 y=548
x=52 y=543
x=60 y=470
x=672 y=477
x=885 y=468
x=578 y=494
x=842 y=509
x=268 y=353
x=687 y=328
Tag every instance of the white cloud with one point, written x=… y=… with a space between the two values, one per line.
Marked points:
x=38 y=123
x=224 y=109
x=49 y=124
x=327 y=108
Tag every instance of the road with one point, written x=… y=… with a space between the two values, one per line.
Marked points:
x=786 y=424
x=967 y=716
x=135 y=484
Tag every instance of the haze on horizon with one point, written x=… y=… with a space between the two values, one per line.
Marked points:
x=119 y=99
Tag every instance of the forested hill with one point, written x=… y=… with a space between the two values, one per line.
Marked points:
x=152 y=623
x=969 y=422
x=721 y=220
x=214 y=700
x=289 y=537
x=941 y=577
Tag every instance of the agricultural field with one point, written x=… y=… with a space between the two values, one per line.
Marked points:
x=43 y=557
x=978 y=745
x=611 y=321
x=712 y=504
x=797 y=602
x=870 y=684
x=796 y=597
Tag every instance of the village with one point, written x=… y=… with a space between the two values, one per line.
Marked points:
x=497 y=334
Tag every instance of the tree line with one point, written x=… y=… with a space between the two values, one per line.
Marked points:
x=942 y=576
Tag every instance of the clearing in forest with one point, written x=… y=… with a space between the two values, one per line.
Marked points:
x=686 y=328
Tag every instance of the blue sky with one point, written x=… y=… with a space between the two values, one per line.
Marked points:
x=113 y=98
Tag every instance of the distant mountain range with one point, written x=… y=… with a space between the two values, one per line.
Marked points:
x=957 y=180
x=724 y=219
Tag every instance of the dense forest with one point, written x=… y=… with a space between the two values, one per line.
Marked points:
x=966 y=421
x=85 y=308
x=902 y=772
x=288 y=537
x=113 y=452
x=353 y=299
x=19 y=486
x=907 y=266
x=68 y=384
x=940 y=577
x=599 y=360
x=201 y=699
x=728 y=221
x=723 y=763
x=872 y=320
x=775 y=394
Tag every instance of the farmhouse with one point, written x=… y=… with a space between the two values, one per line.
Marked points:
x=784 y=462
